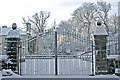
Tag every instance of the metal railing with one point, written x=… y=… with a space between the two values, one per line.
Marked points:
x=57 y=53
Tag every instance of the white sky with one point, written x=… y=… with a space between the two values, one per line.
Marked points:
x=13 y=10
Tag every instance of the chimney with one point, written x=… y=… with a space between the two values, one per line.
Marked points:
x=28 y=27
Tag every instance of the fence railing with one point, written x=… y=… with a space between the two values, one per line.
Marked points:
x=112 y=46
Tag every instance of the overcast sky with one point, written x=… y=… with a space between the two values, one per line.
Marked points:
x=13 y=10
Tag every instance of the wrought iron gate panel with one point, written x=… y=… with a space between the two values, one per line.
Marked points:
x=74 y=54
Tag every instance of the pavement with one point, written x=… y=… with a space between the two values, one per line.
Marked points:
x=59 y=77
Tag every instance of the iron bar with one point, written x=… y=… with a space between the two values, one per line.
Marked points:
x=92 y=61
x=56 y=73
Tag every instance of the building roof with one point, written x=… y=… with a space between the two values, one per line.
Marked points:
x=5 y=31
x=100 y=30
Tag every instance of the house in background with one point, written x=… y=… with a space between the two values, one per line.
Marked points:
x=4 y=30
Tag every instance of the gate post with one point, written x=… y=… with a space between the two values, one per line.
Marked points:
x=100 y=47
x=13 y=53
x=118 y=69
x=56 y=72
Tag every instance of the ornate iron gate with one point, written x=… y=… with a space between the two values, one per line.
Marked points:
x=57 y=53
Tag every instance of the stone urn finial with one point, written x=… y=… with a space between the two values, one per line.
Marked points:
x=14 y=26
x=99 y=23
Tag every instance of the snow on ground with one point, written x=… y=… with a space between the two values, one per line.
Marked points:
x=60 y=76
x=70 y=76
x=12 y=76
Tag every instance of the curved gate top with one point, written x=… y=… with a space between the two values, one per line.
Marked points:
x=57 y=52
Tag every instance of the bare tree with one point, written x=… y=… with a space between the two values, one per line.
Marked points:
x=102 y=10
x=68 y=25
x=40 y=19
x=85 y=17
x=114 y=24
